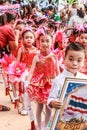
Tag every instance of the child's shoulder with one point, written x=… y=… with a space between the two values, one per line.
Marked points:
x=82 y=75
x=60 y=77
x=53 y=55
x=21 y=48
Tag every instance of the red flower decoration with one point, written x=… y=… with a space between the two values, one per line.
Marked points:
x=6 y=60
x=60 y=37
x=16 y=69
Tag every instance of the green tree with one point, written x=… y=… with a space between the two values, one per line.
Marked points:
x=28 y=1
x=56 y=1
x=70 y=1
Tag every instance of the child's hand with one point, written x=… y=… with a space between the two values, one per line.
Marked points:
x=17 y=33
x=57 y=104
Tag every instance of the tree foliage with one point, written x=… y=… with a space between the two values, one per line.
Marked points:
x=70 y=2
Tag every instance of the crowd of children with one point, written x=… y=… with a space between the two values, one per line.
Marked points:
x=47 y=47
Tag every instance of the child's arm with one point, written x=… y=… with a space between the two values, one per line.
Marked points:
x=53 y=99
x=57 y=67
x=18 y=58
x=34 y=62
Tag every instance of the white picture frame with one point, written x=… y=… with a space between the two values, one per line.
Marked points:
x=73 y=114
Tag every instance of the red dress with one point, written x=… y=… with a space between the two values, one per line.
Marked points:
x=41 y=82
x=27 y=56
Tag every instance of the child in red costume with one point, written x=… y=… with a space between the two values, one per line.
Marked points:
x=43 y=70
x=25 y=55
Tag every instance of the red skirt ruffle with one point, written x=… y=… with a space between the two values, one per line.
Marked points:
x=39 y=94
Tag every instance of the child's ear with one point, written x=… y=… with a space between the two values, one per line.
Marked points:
x=84 y=61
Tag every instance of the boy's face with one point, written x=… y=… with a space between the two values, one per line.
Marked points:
x=74 y=61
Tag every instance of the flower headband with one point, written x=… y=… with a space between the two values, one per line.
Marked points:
x=61 y=36
x=41 y=31
x=81 y=27
x=25 y=30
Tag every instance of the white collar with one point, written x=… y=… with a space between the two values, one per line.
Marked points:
x=67 y=73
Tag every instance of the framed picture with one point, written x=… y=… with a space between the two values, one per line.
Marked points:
x=73 y=114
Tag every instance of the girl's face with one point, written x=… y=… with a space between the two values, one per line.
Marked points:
x=28 y=39
x=45 y=42
x=20 y=27
x=74 y=61
x=83 y=39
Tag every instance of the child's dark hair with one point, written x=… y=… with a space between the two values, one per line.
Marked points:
x=10 y=16
x=7 y=17
x=80 y=13
x=3 y=19
x=33 y=4
x=76 y=46
x=21 y=22
x=50 y=25
x=29 y=11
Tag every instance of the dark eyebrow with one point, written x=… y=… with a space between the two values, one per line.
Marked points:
x=80 y=57
x=72 y=57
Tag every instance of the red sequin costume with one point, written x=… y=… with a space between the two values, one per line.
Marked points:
x=28 y=55
x=41 y=81
x=26 y=58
